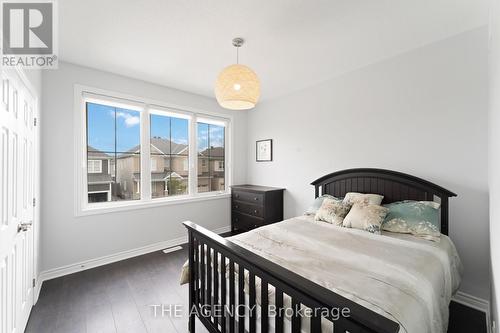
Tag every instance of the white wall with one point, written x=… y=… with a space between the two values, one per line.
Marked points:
x=423 y=112
x=67 y=239
x=494 y=154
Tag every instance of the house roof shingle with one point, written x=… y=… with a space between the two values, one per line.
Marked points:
x=163 y=146
x=213 y=152
x=95 y=153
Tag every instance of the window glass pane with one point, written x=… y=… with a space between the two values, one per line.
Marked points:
x=128 y=131
x=112 y=174
x=177 y=185
x=211 y=158
x=180 y=136
x=216 y=137
x=202 y=146
x=101 y=127
x=159 y=175
x=160 y=127
x=128 y=177
x=202 y=135
x=169 y=150
x=99 y=179
x=178 y=181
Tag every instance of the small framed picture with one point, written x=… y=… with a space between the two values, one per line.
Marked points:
x=264 y=150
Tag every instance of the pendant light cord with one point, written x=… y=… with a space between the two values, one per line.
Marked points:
x=237 y=55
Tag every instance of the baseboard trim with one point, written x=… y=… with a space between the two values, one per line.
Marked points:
x=471 y=301
x=475 y=303
x=38 y=287
x=92 y=263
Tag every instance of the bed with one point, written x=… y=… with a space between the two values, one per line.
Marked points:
x=299 y=275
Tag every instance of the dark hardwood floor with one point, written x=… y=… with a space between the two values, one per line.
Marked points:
x=120 y=297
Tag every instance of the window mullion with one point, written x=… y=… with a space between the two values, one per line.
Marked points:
x=145 y=156
x=193 y=160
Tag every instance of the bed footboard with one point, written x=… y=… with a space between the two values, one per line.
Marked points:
x=230 y=300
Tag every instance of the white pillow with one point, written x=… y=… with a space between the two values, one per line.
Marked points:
x=366 y=217
x=332 y=211
x=361 y=198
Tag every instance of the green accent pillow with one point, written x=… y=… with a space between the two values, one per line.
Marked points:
x=313 y=209
x=419 y=218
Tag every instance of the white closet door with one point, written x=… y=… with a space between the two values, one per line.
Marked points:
x=17 y=172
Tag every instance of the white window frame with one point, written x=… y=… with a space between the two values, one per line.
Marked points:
x=94 y=169
x=219 y=167
x=154 y=164
x=145 y=106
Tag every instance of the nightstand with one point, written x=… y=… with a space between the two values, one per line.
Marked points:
x=253 y=206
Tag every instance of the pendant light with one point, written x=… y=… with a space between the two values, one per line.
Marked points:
x=237 y=86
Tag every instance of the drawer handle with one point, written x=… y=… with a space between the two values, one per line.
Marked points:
x=255 y=211
x=237 y=195
x=256 y=199
x=236 y=206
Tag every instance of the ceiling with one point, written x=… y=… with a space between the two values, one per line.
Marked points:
x=291 y=44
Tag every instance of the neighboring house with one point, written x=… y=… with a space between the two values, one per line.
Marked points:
x=211 y=170
x=99 y=177
x=169 y=170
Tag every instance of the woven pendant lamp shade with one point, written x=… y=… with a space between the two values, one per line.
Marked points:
x=237 y=88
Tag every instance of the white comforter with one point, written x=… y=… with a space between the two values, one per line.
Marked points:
x=406 y=279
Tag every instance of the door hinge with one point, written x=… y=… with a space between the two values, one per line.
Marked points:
x=34 y=202
x=34 y=122
x=34 y=283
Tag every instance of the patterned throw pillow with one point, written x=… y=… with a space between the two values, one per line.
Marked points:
x=365 y=217
x=366 y=199
x=419 y=218
x=317 y=203
x=332 y=211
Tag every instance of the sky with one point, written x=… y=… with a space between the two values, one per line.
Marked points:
x=101 y=129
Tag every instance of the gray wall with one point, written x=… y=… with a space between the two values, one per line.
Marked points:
x=423 y=112
x=494 y=154
x=67 y=239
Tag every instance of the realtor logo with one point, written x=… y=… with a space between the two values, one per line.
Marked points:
x=29 y=34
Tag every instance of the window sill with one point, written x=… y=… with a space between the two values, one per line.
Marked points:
x=113 y=207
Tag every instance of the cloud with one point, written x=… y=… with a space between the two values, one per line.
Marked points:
x=180 y=141
x=130 y=120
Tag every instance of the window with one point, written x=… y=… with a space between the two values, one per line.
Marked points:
x=94 y=166
x=138 y=153
x=169 y=144
x=154 y=164
x=219 y=166
x=113 y=134
x=211 y=154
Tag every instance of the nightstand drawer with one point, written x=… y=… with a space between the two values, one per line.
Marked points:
x=243 y=222
x=246 y=208
x=250 y=197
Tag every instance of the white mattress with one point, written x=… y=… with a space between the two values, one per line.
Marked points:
x=403 y=278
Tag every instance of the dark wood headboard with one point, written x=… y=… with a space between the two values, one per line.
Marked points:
x=393 y=185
